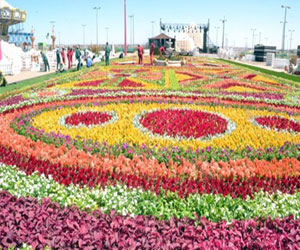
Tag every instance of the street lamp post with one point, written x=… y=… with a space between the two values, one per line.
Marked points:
x=59 y=34
x=217 y=35
x=125 y=29
x=291 y=38
x=153 y=22
x=132 y=30
x=266 y=40
x=223 y=21
x=107 y=34
x=284 y=25
x=83 y=29
x=246 y=43
x=253 y=37
x=97 y=9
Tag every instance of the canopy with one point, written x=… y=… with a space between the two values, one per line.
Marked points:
x=4 y=4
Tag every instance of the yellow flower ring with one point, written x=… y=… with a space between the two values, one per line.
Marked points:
x=126 y=130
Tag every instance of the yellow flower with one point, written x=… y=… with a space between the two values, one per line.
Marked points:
x=124 y=130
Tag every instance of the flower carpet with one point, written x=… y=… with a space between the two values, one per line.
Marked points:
x=206 y=156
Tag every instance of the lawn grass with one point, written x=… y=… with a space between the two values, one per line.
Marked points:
x=26 y=83
x=29 y=82
x=266 y=71
x=173 y=80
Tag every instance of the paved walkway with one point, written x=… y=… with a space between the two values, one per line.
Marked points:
x=259 y=65
x=25 y=75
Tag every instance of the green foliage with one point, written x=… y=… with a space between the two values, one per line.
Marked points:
x=25 y=247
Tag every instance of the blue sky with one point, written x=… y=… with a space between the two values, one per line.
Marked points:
x=242 y=15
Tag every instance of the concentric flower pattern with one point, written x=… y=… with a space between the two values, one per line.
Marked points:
x=131 y=157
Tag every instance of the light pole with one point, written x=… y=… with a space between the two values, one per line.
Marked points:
x=226 y=41
x=97 y=9
x=153 y=22
x=125 y=29
x=217 y=35
x=53 y=26
x=266 y=40
x=253 y=37
x=59 y=34
x=132 y=30
x=223 y=21
x=284 y=25
x=107 y=34
x=83 y=29
x=291 y=38
x=246 y=43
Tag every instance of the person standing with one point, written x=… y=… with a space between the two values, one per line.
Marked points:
x=58 y=59
x=3 y=81
x=63 y=56
x=69 y=58
x=78 y=58
x=152 y=48
x=107 y=53
x=140 y=54
x=45 y=60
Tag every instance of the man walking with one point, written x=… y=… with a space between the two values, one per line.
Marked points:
x=152 y=48
x=140 y=54
x=107 y=53
x=78 y=58
x=58 y=60
x=45 y=60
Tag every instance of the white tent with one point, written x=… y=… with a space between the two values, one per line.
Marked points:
x=11 y=63
x=184 y=42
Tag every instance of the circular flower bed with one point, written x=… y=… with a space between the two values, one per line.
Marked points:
x=278 y=123
x=90 y=119
x=87 y=118
x=184 y=123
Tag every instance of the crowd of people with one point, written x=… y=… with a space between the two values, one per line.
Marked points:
x=62 y=55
